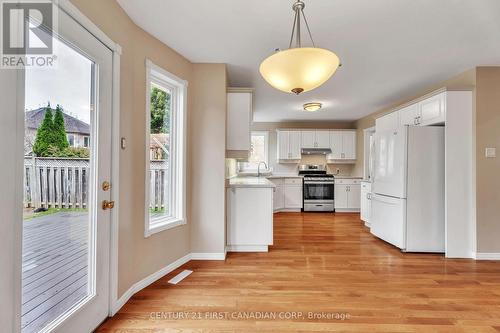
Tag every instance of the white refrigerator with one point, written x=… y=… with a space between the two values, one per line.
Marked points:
x=408 y=188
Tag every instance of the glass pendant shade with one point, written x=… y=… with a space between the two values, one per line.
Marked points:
x=300 y=69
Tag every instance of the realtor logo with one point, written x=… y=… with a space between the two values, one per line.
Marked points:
x=27 y=33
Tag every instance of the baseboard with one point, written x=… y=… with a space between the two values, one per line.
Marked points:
x=209 y=256
x=247 y=248
x=347 y=210
x=288 y=210
x=487 y=256
x=138 y=286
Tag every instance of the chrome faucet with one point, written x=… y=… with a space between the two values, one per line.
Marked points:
x=258 y=168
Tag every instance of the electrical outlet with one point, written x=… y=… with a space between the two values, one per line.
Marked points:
x=337 y=171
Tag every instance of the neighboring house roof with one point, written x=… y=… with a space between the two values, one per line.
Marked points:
x=34 y=119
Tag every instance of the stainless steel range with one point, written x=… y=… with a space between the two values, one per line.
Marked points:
x=318 y=189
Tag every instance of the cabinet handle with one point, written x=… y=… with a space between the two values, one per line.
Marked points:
x=415 y=121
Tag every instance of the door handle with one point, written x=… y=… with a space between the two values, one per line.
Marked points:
x=108 y=204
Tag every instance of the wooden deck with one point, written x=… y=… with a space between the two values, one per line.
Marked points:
x=55 y=260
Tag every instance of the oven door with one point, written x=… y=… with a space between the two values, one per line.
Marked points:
x=318 y=196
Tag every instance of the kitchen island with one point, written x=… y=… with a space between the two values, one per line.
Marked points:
x=249 y=214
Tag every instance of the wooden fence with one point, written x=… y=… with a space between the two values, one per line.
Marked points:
x=56 y=182
x=63 y=183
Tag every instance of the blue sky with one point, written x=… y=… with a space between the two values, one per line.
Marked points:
x=68 y=84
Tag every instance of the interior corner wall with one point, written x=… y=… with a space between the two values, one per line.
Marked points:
x=138 y=257
x=487 y=169
x=207 y=150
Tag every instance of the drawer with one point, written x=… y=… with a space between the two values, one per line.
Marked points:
x=347 y=181
x=293 y=181
x=276 y=181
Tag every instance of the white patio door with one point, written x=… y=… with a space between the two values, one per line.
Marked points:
x=63 y=233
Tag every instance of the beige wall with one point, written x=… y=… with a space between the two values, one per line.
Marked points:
x=464 y=80
x=207 y=144
x=139 y=256
x=487 y=169
x=345 y=169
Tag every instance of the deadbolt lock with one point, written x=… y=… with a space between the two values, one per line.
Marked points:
x=108 y=204
x=106 y=186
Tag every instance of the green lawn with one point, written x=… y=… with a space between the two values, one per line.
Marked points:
x=50 y=211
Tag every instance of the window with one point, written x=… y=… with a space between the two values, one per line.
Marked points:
x=71 y=140
x=258 y=151
x=165 y=153
x=86 y=141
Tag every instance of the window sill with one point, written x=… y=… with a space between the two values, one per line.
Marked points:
x=163 y=225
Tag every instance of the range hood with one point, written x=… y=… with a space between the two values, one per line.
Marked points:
x=316 y=151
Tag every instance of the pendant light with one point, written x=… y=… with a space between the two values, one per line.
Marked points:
x=299 y=69
x=312 y=107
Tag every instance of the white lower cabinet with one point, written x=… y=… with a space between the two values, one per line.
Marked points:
x=347 y=195
x=287 y=194
x=366 y=204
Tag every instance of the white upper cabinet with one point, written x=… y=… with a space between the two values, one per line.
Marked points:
x=409 y=115
x=289 y=145
x=343 y=145
x=322 y=139
x=432 y=110
x=315 y=139
x=239 y=115
x=389 y=122
x=308 y=139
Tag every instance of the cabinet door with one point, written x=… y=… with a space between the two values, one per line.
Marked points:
x=278 y=198
x=322 y=139
x=283 y=145
x=349 y=145
x=408 y=115
x=293 y=196
x=294 y=145
x=335 y=145
x=354 y=196
x=389 y=122
x=341 y=197
x=364 y=204
x=308 y=139
x=239 y=110
x=432 y=110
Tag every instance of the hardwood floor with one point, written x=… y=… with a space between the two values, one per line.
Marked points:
x=321 y=264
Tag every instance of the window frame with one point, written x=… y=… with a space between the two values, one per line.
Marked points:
x=266 y=150
x=178 y=138
x=86 y=138
x=73 y=138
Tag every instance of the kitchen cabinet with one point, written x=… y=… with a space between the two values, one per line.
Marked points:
x=432 y=110
x=289 y=145
x=409 y=115
x=366 y=204
x=429 y=111
x=389 y=122
x=343 y=146
x=239 y=115
x=347 y=195
x=315 y=139
x=287 y=194
x=249 y=219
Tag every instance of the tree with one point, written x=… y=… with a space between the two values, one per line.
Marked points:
x=44 y=134
x=160 y=111
x=59 y=135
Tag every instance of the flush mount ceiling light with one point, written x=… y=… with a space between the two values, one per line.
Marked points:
x=311 y=107
x=299 y=69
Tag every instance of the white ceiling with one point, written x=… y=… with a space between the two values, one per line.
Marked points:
x=390 y=49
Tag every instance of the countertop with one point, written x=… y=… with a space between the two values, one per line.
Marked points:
x=249 y=182
x=347 y=177
x=283 y=175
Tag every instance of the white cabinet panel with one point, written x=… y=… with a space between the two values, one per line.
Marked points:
x=432 y=110
x=278 y=197
x=294 y=145
x=293 y=196
x=409 y=115
x=239 y=112
x=335 y=145
x=365 y=202
x=283 y=144
x=389 y=122
x=349 y=145
x=341 y=197
x=354 y=196
x=322 y=139
x=308 y=139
